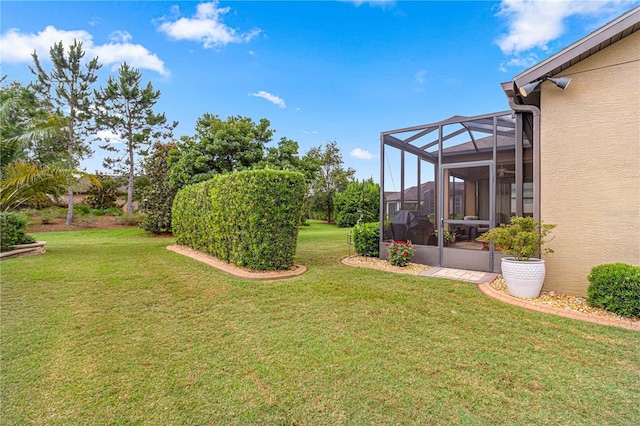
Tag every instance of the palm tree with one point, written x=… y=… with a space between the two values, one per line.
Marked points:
x=49 y=176
x=27 y=183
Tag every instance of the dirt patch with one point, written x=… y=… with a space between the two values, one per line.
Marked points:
x=88 y=222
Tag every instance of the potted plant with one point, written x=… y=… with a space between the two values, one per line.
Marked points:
x=448 y=237
x=522 y=240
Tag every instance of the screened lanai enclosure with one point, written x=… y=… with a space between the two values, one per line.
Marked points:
x=465 y=175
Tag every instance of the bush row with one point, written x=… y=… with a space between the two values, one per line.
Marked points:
x=248 y=218
x=616 y=288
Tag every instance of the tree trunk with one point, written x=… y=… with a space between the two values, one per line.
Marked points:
x=70 y=145
x=130 y=185
x=70 y=208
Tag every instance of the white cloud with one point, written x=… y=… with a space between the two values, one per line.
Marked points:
x=310 y=132
x=269 y=97
x=380 y=3
x=135 y=55
x=361 y=154
x=420 y=77
x=109 y=136
x=120 y=36
x=519 y=62
x=16 y=46
x=206 y=27
x=534 y=23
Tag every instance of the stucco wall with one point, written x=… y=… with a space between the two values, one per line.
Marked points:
x=590 y=165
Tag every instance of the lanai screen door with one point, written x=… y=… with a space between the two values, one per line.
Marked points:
x=479 y=194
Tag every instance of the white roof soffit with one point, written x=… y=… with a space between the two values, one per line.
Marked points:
x=610 y=33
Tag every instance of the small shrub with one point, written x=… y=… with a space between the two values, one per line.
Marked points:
x=616 y=288
x=523 y=238
x=47 y=215
x=130 y=219
x=82 y=209
x=113 y=211
x=13 y=228
x=86 y=221
x=399 y=253
x=366 y=239
x=105 y=195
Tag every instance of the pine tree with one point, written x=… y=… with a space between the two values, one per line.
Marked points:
x=68 y=88
x=125 y=110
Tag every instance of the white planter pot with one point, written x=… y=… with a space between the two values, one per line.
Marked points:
x=523 y=278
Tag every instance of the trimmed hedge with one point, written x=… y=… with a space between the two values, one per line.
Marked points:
x=13 y=227
x=366 y=239
x=248 y=218
x=616 y=288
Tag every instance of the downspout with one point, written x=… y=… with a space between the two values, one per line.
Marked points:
x=536 y=150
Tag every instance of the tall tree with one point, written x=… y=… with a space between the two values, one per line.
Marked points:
x=67 y=87
x=219 y=147
x=331 y=178
x=125 y=111
x=158 y=195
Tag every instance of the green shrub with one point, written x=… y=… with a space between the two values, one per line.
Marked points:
x=105 y=196
x=130 y=219
x=616 y=288
x=113 y=211
x=248 y=218
x=13 y=228
x=49 y=214
x=82 y=209
x=366 y=239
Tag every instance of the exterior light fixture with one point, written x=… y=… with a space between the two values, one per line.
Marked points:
x=561 y=82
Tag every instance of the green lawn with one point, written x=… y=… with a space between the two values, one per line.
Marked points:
x=108 y=327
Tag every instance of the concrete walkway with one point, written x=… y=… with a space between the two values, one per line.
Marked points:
x=474 y=277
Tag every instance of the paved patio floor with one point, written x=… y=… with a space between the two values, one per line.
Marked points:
x=475 y=277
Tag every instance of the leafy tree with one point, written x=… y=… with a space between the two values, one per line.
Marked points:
x=67 y=87
x=285 y=157
x=331 y=179
x=158 y=196
x=125 y=109
x=359 y=201
x=218 y=147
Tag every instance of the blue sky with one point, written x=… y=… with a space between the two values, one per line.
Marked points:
x=319 y=71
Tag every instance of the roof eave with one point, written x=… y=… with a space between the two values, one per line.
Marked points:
x=604 y=36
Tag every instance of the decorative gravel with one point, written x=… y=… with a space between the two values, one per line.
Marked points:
x=383 y=265
x=563 y=301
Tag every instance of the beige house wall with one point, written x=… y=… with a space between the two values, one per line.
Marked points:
x=590 y=165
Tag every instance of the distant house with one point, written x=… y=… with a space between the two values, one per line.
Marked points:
x=568 y=157
x=426 y=199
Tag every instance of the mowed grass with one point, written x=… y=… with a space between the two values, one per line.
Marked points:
x=108 y=327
